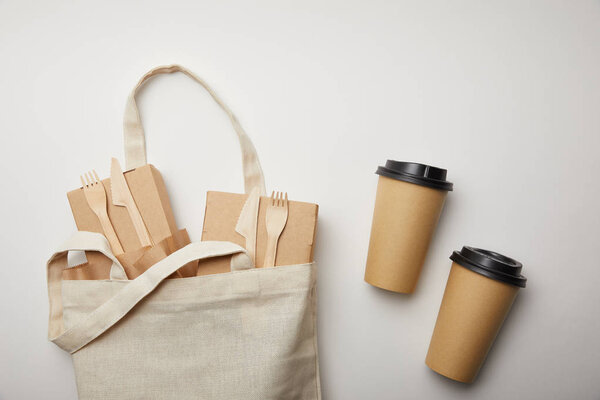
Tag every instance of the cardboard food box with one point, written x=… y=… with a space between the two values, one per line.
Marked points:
x=149 y=192
x=296 y=243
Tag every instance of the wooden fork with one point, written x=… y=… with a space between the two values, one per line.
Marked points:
x=96 y=198
x=276 y=218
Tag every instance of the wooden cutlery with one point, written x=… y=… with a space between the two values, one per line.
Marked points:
x=96 y=198
x=276 y=213
x=276 y=218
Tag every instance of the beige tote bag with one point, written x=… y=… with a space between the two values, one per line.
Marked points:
x=246 y=334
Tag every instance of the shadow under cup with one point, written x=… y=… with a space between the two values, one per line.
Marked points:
x=481 y=288
x=410 y=198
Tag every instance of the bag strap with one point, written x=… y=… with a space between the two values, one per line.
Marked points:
x=80 y=241
x=135 y=142
x=109 y=313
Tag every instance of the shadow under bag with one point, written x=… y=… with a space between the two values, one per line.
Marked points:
x=246 y=334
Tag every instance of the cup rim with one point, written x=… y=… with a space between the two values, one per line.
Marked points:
x=490 y=264
x=417 y=173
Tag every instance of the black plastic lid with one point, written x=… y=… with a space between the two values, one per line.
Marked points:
x=490 y=264
x=420 y=174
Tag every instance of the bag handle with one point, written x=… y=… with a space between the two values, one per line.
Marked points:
x=135 y=142
x=109 y=313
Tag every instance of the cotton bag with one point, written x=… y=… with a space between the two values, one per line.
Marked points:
x=246 y=334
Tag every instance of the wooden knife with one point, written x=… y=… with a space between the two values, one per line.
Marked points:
x=121 y=196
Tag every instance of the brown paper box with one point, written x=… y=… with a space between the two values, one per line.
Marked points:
x=472 y=312
x=404 y=220
x=296 y=243
x=148 y=189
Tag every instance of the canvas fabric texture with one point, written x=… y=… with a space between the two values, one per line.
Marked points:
x=246 y=334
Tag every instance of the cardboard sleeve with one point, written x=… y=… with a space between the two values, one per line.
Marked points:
x=146 y=257
x=296 y=243
x=97 y=270
x=472 y=312
x=404 y=220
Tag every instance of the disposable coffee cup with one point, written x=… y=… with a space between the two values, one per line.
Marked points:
x=410 y=198
x=481 y=288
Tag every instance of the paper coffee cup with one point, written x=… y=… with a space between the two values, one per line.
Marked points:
x=481 y=288
x=409 y=202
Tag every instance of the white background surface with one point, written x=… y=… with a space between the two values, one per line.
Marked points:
x=504 y=94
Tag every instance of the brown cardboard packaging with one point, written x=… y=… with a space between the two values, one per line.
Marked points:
x=146 y=257
x=404 y=220
x=148 y=189
x=296 y=243
x=472 y=312
x=99 y=270
x=134 y=262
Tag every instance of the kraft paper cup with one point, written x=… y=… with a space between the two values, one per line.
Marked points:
x=481 y=288
x=409 y=202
